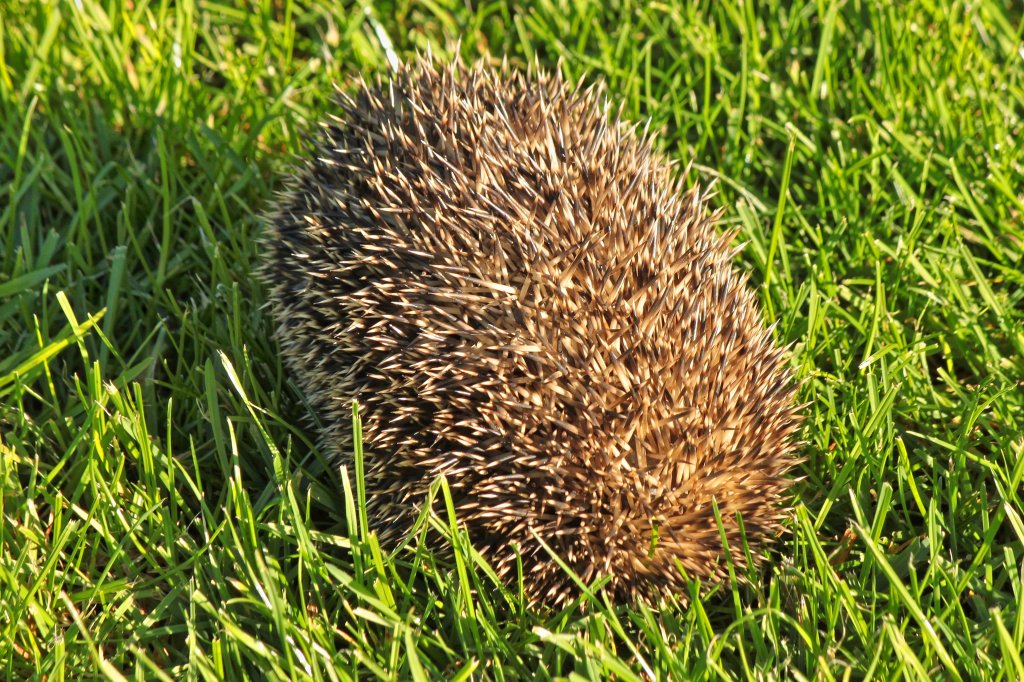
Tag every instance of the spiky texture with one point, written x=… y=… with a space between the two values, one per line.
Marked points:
x=524 y=298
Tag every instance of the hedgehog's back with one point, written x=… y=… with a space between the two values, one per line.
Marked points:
x=523 y=299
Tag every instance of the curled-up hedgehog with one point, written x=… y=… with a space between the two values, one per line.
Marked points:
x=524 y=297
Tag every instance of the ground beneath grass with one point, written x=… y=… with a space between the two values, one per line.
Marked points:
x=165 y=512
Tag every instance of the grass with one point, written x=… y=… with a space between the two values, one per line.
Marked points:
x=165 y=512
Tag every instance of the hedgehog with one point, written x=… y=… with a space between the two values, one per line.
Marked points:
x=524 y=297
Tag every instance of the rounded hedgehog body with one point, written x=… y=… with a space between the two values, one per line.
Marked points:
x=523 y=298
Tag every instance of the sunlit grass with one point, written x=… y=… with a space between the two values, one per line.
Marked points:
x=166 y=513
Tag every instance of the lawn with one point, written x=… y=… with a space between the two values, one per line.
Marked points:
x=166 y=513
